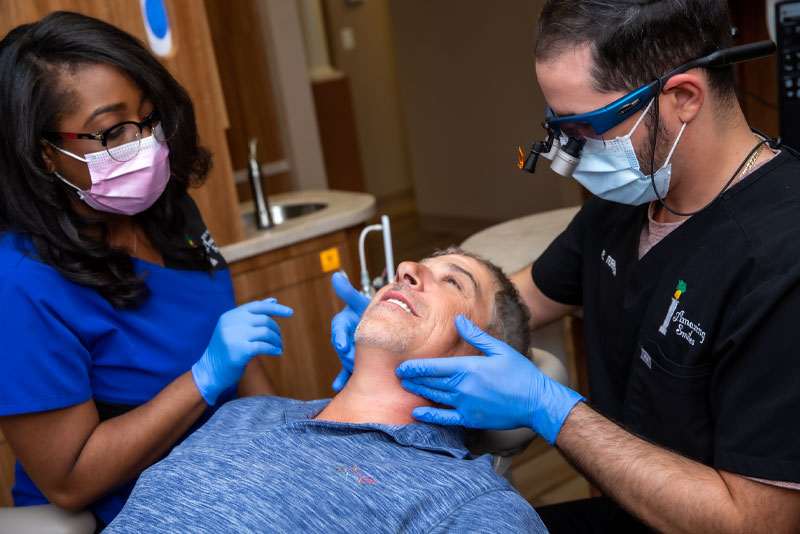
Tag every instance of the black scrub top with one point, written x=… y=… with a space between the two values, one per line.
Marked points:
x=695 y=346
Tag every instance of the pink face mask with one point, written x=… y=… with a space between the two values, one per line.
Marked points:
x=126 y=187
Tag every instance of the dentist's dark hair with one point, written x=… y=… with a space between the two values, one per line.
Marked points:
x=33 y=202
x=635 y=41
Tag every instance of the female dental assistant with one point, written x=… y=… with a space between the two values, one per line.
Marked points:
x=116 y=318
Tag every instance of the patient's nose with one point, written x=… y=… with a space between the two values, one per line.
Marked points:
x=410 y=274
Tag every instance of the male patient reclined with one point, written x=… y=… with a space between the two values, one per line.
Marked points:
x=359 y=462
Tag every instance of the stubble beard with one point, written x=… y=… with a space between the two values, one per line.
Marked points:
x=663 y=145
x=376 y=332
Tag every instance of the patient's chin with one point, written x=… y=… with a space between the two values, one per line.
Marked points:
x=376 y=334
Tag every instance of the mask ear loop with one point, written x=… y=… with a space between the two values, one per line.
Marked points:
x=70 y=154
x=56 y=173
x=638 y=122
x=641 y=118
x=674 y=146
x=653 y=164
x=73 y=186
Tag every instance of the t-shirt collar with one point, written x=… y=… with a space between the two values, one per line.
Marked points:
x=434 y=438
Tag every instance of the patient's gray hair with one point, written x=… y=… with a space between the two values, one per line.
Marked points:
x=510 y=321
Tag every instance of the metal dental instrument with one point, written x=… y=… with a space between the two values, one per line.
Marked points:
x=367 y=287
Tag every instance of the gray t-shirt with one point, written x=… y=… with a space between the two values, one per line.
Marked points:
x=261 y=464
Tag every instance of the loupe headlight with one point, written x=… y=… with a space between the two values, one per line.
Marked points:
x=546 y=147
x=564 y=155
x=567 y=157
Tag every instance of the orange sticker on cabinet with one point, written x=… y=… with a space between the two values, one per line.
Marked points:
x=329 y=259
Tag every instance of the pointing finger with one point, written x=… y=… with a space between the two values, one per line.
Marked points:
x=438 y=416
x=477 y=337
x=267 y=307
x=434 y=367
x=341 y=285
x=341 y=380
x=260 y=347
x=436 y=395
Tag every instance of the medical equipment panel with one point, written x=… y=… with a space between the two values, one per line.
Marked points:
x=787 y=18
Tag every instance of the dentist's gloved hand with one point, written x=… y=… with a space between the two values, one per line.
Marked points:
x=500 y=391
x=343 y=325
x=240 y=334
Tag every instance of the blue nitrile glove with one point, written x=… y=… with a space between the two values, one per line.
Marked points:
x=240 y=334
x=500 y=391
x=343 y=325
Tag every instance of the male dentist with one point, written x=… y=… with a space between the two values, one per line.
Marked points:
x=686 y=265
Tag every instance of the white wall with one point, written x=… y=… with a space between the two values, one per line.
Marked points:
x=370 y=67
x=470 y=97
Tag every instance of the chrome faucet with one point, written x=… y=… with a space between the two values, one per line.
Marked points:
x=263 y=215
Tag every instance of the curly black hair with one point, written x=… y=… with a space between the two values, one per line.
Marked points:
x=35 y=204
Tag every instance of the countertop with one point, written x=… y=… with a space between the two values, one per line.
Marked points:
x=344 y=209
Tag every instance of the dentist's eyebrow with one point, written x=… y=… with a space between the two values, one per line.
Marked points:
x=454 y=267
x=563 y=114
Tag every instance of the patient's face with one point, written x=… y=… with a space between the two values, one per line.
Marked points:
x=414 y=316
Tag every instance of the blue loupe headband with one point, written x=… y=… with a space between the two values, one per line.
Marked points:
x=596 y=123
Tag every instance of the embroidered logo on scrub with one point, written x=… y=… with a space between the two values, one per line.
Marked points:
x=354 y=474
x=208 y=243
x=685 y=328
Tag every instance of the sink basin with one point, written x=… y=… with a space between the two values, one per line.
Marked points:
x=284 y=212
x=304 y=214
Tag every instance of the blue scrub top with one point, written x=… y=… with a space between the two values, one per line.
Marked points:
x=64 y=344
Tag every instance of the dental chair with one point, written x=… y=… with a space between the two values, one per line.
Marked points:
x=45 y=519
x=503 y=444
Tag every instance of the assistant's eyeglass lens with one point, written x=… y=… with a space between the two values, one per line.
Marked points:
x=120 y=135
x=124 y=140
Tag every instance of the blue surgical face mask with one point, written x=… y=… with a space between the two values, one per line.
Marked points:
x=610 y=170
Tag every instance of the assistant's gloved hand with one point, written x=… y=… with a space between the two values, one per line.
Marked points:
x=240 y=334
x=343 y=325
x=500 y=391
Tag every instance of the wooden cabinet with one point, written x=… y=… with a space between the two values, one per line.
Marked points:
x=296 y=276
x=756 y=81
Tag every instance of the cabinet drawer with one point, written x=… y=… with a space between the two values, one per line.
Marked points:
x=258 y=277
x=296 y=277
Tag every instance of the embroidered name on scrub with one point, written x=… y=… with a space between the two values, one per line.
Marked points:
x=210 y=246
x=608 y=260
